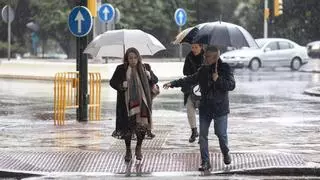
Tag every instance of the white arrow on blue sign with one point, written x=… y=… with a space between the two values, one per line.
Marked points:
x=80 y=21
x=106 y=13
x=180 y=16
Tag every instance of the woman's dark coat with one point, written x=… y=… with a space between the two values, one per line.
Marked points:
x=191 y=64
x=119 y=76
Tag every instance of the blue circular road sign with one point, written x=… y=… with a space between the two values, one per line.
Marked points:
x=106 y=13
x=80 y=21
x=180 y=16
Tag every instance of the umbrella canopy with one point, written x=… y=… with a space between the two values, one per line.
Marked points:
x=220 y=34
x=186 y=35
x=114 y=43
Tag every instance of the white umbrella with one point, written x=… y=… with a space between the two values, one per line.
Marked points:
x=114 y=43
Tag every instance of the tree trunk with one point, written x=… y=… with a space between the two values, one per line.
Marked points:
x=69 y=47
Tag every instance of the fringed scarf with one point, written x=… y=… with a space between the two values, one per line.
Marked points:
x=138 y=97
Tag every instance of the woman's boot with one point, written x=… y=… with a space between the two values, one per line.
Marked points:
x=128 y=156
x=140 y=137
x=150 y=135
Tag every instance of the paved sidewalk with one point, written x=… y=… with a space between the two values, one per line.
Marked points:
x=54 y=153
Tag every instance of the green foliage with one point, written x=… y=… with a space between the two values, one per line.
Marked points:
x=299 y=22
x=15 y=48
x=249 y=14
x=52 y=16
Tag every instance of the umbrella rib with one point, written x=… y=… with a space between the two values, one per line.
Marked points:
x=243 y=39
x=149 y=48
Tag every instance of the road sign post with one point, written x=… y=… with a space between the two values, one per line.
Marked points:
x=180 y=17
x=80 y=24
x=8 y=16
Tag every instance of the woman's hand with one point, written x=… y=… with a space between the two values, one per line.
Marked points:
x=124 y=85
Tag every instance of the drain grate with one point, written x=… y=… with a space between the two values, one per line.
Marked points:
x=112 y=161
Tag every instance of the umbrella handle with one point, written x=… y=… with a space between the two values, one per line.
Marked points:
x=216 y=67
x=124 y=50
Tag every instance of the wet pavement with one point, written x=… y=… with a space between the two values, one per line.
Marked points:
x=269 y=114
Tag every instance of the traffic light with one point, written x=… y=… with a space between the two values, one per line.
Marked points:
x=278 y=7
x=92 y=6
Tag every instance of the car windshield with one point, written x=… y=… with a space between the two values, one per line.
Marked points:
x=261 y=42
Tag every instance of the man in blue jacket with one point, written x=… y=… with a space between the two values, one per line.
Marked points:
x=215 y=79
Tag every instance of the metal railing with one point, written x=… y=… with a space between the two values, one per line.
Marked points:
x=66 y=95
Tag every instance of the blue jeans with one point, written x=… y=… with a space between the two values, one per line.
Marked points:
x=220 y=129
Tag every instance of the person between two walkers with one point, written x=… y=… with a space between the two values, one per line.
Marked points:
x=133 y=81
x=215 y=79
x=192 y=63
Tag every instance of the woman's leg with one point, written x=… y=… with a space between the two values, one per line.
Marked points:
x=191 y=113
x=127 y=140
x=140 y=136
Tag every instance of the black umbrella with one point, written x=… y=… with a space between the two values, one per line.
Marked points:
x=220 y=34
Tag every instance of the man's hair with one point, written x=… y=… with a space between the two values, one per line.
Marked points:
x=212 y=48
x=198 y=44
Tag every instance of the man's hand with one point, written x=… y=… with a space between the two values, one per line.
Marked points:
x=167 y=85
x=215 y=74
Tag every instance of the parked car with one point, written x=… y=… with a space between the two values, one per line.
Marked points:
x=313 y=49
x=272 y=52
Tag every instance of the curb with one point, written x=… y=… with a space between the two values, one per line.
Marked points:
x=274 y=171
x=285 y=171
x=310 y=71
x=17 y=174
x=315 y=91
x=25 y=77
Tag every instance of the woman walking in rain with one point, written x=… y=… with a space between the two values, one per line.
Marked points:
x=133 y=81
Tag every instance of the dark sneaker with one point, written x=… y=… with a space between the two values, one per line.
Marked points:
x=116 y=134
x=226 y=159
x=150 y=135
x=194 y=135
x=205 y=166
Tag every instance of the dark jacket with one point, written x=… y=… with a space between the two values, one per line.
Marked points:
x=213 y=93
x=118 y=77
x=191 y=64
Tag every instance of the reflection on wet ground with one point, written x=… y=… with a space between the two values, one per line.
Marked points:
x=268 y=113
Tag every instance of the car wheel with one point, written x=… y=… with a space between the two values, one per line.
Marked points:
x=295 y=64
x=254 y=64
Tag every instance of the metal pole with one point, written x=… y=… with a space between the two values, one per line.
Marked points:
x=265 y=27
x=180 y=47
x=94 y=33
x=83 y=75
x=9 y=33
